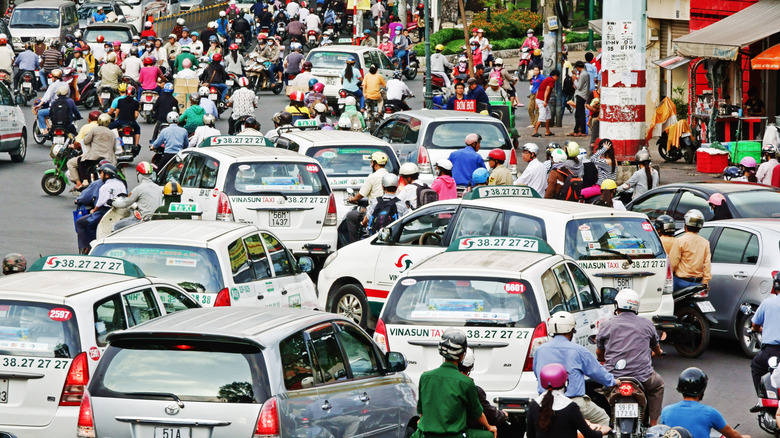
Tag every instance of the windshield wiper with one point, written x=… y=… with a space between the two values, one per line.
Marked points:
x=275 y=194
x=158 y=394
x=613 y=251
x=483 y=322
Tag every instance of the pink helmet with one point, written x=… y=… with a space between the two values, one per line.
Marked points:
x=553 y=376
x=748 y=162
x=117 y=43
x=716 y=199
x=319 y=87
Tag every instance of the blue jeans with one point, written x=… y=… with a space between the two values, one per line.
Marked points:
x=223 y=88
x=43 y=76
x=680 y=283
x=272 y=69
x=141 y=90
x=361 y=100
x=86 y=227
x=43 y=114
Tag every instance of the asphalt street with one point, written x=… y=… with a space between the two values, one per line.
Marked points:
x=35 y=224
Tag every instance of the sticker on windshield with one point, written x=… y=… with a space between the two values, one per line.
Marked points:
x=313 y=168
x=329 y=154
x=587 y=236
x=408 y=282
x=244 y=167
x=514 y=288
x=433 y=314
x=647 y=227
x=583 y=227
x=275 y=188
x=60 y=314
x=185 y=263
x=118 y=253
x=454 y=304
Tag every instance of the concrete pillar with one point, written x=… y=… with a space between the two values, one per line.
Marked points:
x=623 y=76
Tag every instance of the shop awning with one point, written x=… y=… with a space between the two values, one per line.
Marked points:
x=769 y=59
x=723 y=39
x=672 y=62
x=595 y=25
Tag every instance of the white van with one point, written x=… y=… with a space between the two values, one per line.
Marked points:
x=52 y=19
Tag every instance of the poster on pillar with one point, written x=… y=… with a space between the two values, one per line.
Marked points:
x=622 y=45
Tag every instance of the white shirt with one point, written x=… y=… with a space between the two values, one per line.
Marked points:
x=292 y=9
x=202 y=133
x=132 y=67
x=312 y=21
x=409 y=193
x=534 y=176
x=112 y=188
x=197 y=48
x=303 y=14
x=617 y=204
x=396 y=90
x=7 y=59
x=764 y=173
x=187 y=73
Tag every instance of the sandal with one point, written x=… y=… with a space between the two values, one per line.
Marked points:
x=551 y=134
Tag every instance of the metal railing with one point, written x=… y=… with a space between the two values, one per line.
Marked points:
x=195 y=19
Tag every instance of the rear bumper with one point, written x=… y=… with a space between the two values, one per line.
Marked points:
x=64 y=423
x=322 y=246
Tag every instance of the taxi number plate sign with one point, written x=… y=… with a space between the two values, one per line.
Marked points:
x=626 y=410
x=705 y=306
x=171 y=432
x=279 y=218
x=624 y=283
x=83 y=263
x=499 y=243
x=3 y=390
x=148 y=106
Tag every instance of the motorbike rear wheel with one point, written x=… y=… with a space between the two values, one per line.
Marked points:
x=277 y=87
x=692 y=340
x=37 y=135
x=89 y=100
x=410 y=73
x=669 y=157
x=52 y=184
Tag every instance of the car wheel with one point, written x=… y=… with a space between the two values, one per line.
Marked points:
x=52 y=184
x=409 y=432
x=350 y=301
x=37 y=136
x=749 y=341
x=18 y=156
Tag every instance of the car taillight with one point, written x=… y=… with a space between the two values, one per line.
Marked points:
x=361 y=73
x=224 y=210
x=86 y=425
x=331 y=217
x=59 y=132
x=669 y=282
x=76 y=381
x=380 y=336
x=423 y=160
x=268 y=421
x=626 y=389
x=223 y=298
x=127 y=130
x=539 y=337
x=513 y=162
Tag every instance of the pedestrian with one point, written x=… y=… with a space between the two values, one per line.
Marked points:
x=466 y=160
x=582 y=88
x=535 y=174
x=460 y=89
x=543 y=95
x=499 y=174
x=769 y=153
x=533 y=110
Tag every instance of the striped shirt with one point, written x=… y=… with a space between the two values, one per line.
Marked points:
x=604 y=168
x=51 y=59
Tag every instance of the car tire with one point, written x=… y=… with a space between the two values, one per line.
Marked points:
x=350 y=301
x=409 y=432
x=21 y=152
x=749 y=341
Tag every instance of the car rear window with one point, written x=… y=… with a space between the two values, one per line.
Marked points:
x=612 y=238
x=331 y=60
x=349 y=161
x=450 y=135
x=35 y=18
x=759 y=203
x=275 y=178
x=195 y=269
x=216 y=371
x=38 y=329
x=462 y=302
x=121 y=35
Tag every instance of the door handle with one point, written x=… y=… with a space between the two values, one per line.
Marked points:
x=740 y=275
x=365 y=398
x=326 y=406
x=260 y=296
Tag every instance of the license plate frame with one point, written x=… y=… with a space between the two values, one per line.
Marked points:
x=4 y=391
x=105 y=95
x=705 y=306
x=624 y=283
x=127 y=140
x=626 y=410
x=27 y=85
x=213 y=96
x=330 y=81
x=148 y=106
x=279 y=219
x=172 y=432
x=229 y=82
x=58 y=140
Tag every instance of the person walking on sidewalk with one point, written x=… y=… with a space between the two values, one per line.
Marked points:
x=533 y=110
x=542 y=98
x=582 y=88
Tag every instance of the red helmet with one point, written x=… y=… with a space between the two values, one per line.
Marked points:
x=100 y=38
x=297 y=96
x=217 y=57
x=497 y=154
x=130 y=90
x=233 y=47
x=319 y=87
x=148 y=61
x=144 y=168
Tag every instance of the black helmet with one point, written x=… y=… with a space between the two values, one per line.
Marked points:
x=285 y=118
x=252 y=122
x=664 y=224
x=692 y=382
x=453 y=343
x=14 y=263
x=776 y=284
x=678 y=432
x=109 y=169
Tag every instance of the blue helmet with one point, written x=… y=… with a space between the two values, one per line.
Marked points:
x=397 y=74
x=480 y=176
x=732 y=172
x=168 y=87
x=312 y=81
x=351 y=60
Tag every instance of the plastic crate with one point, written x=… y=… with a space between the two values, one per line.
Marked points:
x=746 y=149
x=711 y=163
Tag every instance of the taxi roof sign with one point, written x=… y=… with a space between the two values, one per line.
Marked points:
x=234 y=140
x=483 y=192
x=481 y=243
x=306 y=123
x=86 y=263
x=184 y=207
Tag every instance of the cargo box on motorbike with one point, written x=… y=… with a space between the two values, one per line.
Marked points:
x=182 y=89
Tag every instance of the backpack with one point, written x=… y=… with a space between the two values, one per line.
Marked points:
x=496 y=74
x=232 y=13
x=59 y=113
x=385 y=212
x=571 y=186
x=425 y=194
x=568 y=86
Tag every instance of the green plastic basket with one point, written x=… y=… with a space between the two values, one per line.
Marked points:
x=746 y=149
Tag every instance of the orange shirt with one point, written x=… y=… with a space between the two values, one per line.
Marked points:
x=372 y=86
x=690 y=257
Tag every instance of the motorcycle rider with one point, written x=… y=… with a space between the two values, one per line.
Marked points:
x=368 y=40
x=293 y=61
x=252 y=128
x=197 y=44
x=769 y=154
x=295 y=30
x=629 y=336
x=447 y=397
x=693 y=415
x=409 y=174
x=499 y=174
x=767 y=322
x=185 y=39
x=79 y=66
x=146 y=195
x=282 y=119
x=397 y=91
x=110 y=73
x=125 y=110
x=172 y=49
x=535 y=173
x=27 y=61
x=148 y=32
x=234 y=61
x=690 y=257
x=387 y=47
x=132 y=64
x=243 y=101
x=193 y=116
x=86 y=226
x=303 y=81
x=186 y=72
x=440 y=64
x=372 y=187
x=351 y=118
x=297 y=108
x=178 y=28
x=270 y=52
x=14 y=264
x=401 y=46
x=208 y=105
x=664 y=225
x=315 y=96
x=100 y=144
x=62 y=111
x=174 y=138
x=165 y=104
x=149 y=76
x=530 y=41
x=6 y=57
x=73 y=163
x=579 y=362
x=466 y=160
x=493 y=415
x=205 y=131
x=52 y=59
x=186 y=53
x=215 y=75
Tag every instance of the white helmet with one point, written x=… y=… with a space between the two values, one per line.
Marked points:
x=468 y=358
x=561 y=323
x=389 y=180
x=212 y=24
x=444 y=164
x=77 y=34
x=627 y=299
x=499 y=61
x=408 y=169
x=350 y=100
x=531 y=147
x=172 y=117
x=62 y=90
x=180 y=21
x=203 y=91
x=558 y=156
x=148 y=25
x=222 y=13
x=694 y=219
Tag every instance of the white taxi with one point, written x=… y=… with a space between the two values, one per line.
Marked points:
x=54 y=321
x=219 y=263
x=616 y=248
x=500 y=291
x=275 y=189
x=345 y=157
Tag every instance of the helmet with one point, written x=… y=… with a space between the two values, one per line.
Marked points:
x=769 y=149
x=93 y=115
x=627 y=299
x=261 y=36
x=320 y=108
x=553 y=376
x=664 y=224
x=558 y=156
x=531 y=147
x=285 y=118
x=148 y=25
x=56 y=73
x=307 y=65
x=62 y=91
x=109 y=169
x=130 y=90
x=716 y=199
x=203 y=91
x=380 y=158
x=572 y=149
x=473 y=138
x=468 y=359
x=499 y=61
x=14 y=263
x=748 y=162
x=232 y=47
x=297 y=46
x=531 y=31
x=172 y=188
x=213 y=39
x=180 y=21
x=144 y=168
x=297 y=96
x=243 y=81
x=209 y=119
x=194 y=33
x=133 y=51
x=217 y=57
x=77 y=34
x=453 y=343
x=444 y=163
x=732 y=172
x=389 y=180
x=497 y=154
x=194 y=97
x=397 y=74
x=222 y=13
x=172 y=117
x=561 y=323
x=100 y=38
x=104 y=120
x=480 y=176
x=694 y=219
x=345 y=123
x=692 y=382
x=252 y=123
x=678 y=432
x=408 y=169
x=439 y=47
x=319 y=87
x=538 y=52
x=117 y=43
x=212 y=24
x=313 y=82
x=168 y=87
x=186 y=63
x=608 y=184
x=350 y=100
x=642 y=156
x=148 y=61
x=122 y=87
x=111 y=57
x=351 y=60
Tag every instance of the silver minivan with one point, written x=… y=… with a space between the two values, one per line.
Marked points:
x=229 y=372
x=52 y=19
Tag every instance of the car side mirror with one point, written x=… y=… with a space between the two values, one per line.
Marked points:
x=396 y=362
x=305 y=264
x=385 y=234
x=608 y=295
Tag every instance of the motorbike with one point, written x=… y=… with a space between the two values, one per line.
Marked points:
x=87 y=94
x=694 y=314
x=343 y=230
x=392 y=108
x=525 y=59
x=25 y=91
x=311 y=40
x=343 y=94
x=374 y=113
x=628 y=406
x=768 y=399
x=148 y=99
x=688 y=144
x=232 y=83
x=409 y=70
x=281 y=30
x=216 y=97
x=129 y=150
x=106 y=95
x=114 y=215
x=259 y=74
x=55 y=180
x=57 y=135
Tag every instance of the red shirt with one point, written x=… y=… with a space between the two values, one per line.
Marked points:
x=546 y=83
x=776 y=177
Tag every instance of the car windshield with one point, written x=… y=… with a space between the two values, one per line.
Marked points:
x=758 y=203
x=223 y=372
x=454 y=301
x=38 y=329
x=34 y=18
x=612 y=238
x=110 y=35
x=337 y=60
x=195 y=269
x=274 y=178
x=349 y=161
x=450 y=135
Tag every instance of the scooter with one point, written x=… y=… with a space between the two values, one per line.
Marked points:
x=215 y=96
x=525 y=59
x=25 y=91
x=341 y=103
x=695 y=315
x=148 y=99
x=311 y=40
x=688 y=144
x=87 y=94
x=106 y=95
x=343 y=229
x=768 y=399
x=57 y=134
x=258 y=72
x=55 y=180
x=129 y=150
x=409 y=70
x=116 y=214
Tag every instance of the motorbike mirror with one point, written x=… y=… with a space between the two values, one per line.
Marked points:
x=350 y=191
x=305 y=264
x=384 y=235
x=621 y=364
x=772 y=362
x=592 y=339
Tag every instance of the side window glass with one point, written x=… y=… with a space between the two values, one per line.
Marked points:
x=208 y=178
x=398 y=134
x=192 y=165
x=428 y=229
x=521 y=225
x=689 y=201
x=296 y=363
x=109 y=316
x=5 y=96
x=751 y=252
x=359 y=350
x=731 y=246
x=584 y=289
x=706 y=232
x=412 y=131
x=329 y=361
x=386 y=63
x=257 y=257
x=279 y=256
x=477 y=222
x=173 y=300
x=654 y=206
x=140 y=307
x=552 y=292
x=386 y=130
x=171 y=172
x=239 y=263
x=567 y=287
